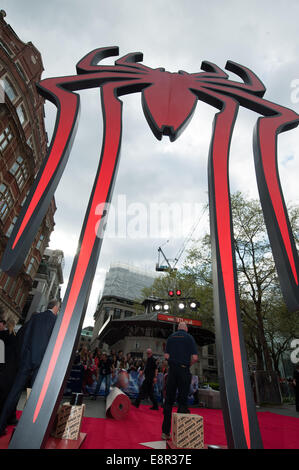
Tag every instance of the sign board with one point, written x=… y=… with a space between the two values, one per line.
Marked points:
x=173 y=319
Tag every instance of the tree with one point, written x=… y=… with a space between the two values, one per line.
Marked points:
x=262 y=308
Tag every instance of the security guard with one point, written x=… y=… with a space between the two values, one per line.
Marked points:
x=181 y=353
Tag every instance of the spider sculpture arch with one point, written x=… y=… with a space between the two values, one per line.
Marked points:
x=169 y=101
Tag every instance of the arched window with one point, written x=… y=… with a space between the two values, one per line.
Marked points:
x=6 y=201
x=19 y=171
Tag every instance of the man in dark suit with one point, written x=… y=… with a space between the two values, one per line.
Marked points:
x=35 y=337
x=147 y=387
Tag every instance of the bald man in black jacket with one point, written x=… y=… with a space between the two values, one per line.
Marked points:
x=36 y=334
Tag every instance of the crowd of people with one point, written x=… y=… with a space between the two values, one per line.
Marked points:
x=104 y=366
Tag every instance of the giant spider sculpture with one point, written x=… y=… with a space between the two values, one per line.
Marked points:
x=169 y=101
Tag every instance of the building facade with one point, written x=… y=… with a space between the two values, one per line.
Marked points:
x=122 y=289
x=23 y=145
x=46 y=284
x=85 y=338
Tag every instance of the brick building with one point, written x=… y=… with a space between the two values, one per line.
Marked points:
x=23 y=145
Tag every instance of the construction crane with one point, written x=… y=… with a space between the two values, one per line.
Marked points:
x=168 y=267
x=164 y=268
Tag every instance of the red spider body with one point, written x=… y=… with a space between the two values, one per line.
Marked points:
x=162 y=106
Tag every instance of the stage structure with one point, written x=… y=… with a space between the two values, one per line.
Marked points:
x=169 y=101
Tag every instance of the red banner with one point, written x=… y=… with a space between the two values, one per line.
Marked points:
x=173 y=319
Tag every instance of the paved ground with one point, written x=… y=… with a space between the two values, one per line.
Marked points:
x=97 y=409
x=287 y=410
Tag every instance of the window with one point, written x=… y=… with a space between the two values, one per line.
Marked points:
x=32 y=266
x=9 y=89
x=21 y=113
x=10 y=228
x=12 y=288
x=6 y=285
x=117 y=313
x=6 y=201
x=17 y=298
x=6 y=48
x=19 y=171
x=21 y=72
x=5 y=137
x=40 y=241
x=23 y=202
x=128 y=313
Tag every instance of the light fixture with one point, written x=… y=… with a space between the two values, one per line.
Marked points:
x=181 y=306
x=194 y=304
x=166 y=307
x=157 y=307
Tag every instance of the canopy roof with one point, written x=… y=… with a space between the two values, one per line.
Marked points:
x=115 y=330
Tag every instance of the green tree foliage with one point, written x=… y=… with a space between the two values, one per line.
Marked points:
x=268 y=327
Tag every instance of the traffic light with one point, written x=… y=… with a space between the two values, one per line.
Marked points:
x=177 y=292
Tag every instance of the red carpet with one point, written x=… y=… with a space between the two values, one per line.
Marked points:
x=144 y=425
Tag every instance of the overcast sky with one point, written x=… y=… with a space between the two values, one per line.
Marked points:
x=176 y=35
